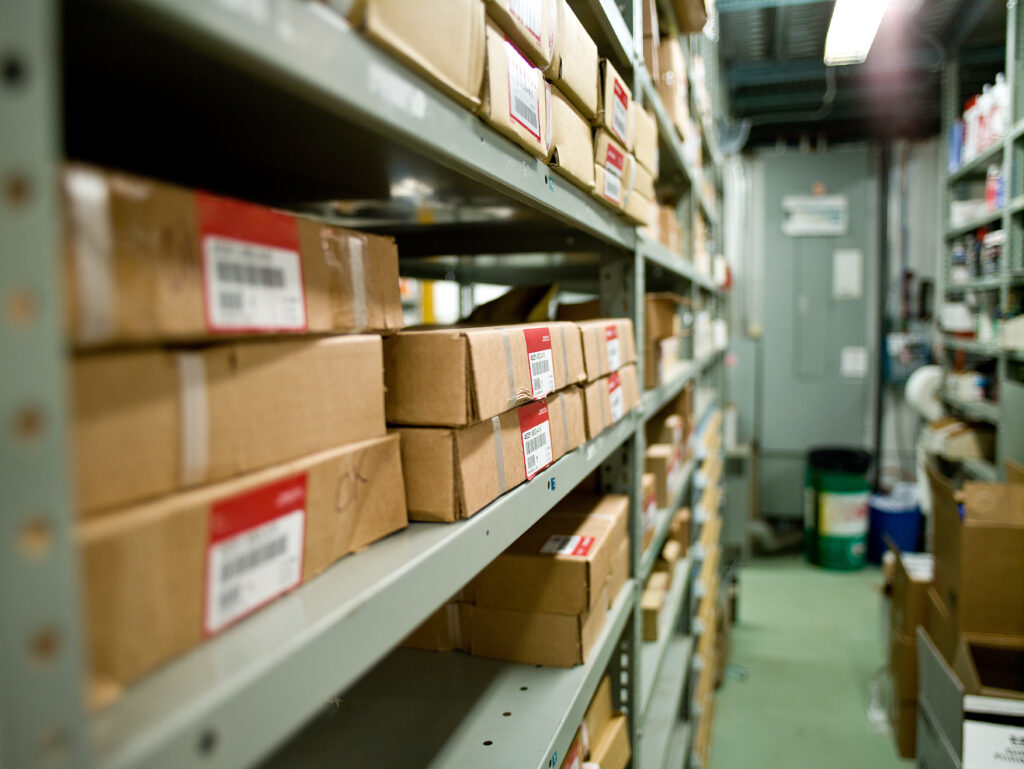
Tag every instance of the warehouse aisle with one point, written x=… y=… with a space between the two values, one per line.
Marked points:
x=809 y=641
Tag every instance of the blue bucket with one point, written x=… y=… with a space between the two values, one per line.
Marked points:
x=895 y=516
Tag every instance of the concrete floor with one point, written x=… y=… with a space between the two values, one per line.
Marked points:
x=809 y=641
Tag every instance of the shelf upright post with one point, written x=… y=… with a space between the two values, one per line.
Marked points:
x=42 y=692
x=1005 y=437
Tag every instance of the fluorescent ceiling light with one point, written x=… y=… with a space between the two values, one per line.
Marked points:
x=852 y=30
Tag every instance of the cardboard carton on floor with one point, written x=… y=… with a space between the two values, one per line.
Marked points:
x=530 y=26
x=991 y=666
x=609 y=399
x=149 y=422
x=572 y=143
x=614 y=170
x=163 y=576
x=562 y=563
x=452 y=377
x=514 y=100
x=451 y=473
x=979 y=554
x=608 y=345
x=615 y=105
x=940 y=625
x=573 y=67
x=913 y=574
x=903 y=717
x=146 y=261
x=903 y=665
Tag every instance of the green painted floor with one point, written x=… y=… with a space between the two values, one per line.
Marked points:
x=809 y=641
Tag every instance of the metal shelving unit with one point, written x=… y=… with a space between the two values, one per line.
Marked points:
x=236 y=699
x=1008 y=414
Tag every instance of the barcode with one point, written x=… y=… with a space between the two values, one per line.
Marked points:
x=523 y=82
x=229 y=598
x=535 y=444
x=612 y=185
x=250 y=274
x=524 y=111
x=253 y=558
x=230 y=300
x=540 y=366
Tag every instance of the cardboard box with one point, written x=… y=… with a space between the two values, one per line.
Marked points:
x=661 y=315
x=609 y=399
x=514 y=100
x=615 y=100
x=651 y=602
x=574 y=62
x=665 y=429
x=679 y=528
x=903 y=664
x=669 y=230
x=991 y=666
x=451 y=377
x=913 y=574
x=651 y=57
x=956 y=440
x=442 y=631
x=598 y=715
x=673 y=87
x=645 y=145
x=660 y=460
x=530 y=25
x=450 y=474
x=608 y=345
x=611 y=748
x=619 y=574
x=636 y=207
x=536 y=638
x=979 y=553
x=690 y=15
x=649 y=500
x=903 y=716
x=651 y=34
x=940 y=625
x=163 y=576
x=444 y=42
x=660 y=359
x=562 y=563
x=146 y=261
x=670 y=556
x=572 y=142
x=574 y=755
x=613 y=170
x=153 y=421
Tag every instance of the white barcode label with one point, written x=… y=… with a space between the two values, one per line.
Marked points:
x=612 y=184
x=248 y=569
x=611 y=338
x=565 y=544
x=250 y=286
x=537 y=448
x=529 y=13
x=620 y=112
x=523 y=91
x=992 y=745
x=617 y=403
x=542 y=373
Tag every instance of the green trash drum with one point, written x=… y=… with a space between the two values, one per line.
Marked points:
x=836 y=494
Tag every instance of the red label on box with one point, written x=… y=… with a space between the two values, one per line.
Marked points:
x=542 y=364
x=252 y=269
x=255 y=550
x=611 y=340
x=615 y=159
x=536 y=432
x=566 y=544
x=615 y=397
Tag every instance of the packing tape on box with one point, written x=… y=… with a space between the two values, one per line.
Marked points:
x=604 y=407
x=499 y=454
x=92 y=239
x=454 y=624
x=565 y=426
x=509 y=370
x=632 y=181
x=565 y=356
x=195 y=418
x=354 y=270
x=553 y=7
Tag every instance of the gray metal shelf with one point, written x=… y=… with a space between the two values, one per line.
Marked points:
x=974 y=224
x=663 y=730
x=679 y=746
x=974 y=348
x=433 y=710
x=654 y=400
x=664 y=521
x=991 y=283
x=979 y=165
x=656 y=253
x=654 y=655
x=985 y=411
x=257 y=683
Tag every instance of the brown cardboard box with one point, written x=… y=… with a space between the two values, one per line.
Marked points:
x=562 y=563
x=574 y=754
x=450 y=474
x=649 y=500
x=636 y=206
x=651 y=34
x=611 y=398
x=615 y=100
x=913 y=574
x=991 y=666
x=536 y=638
x=651 y=602
x=577 y=311
x=645 y=147
x=530 y=26
x=613 y=170
x=598 y=714
x=514 y=99
x=162 y=576
x=611 y=748
x=670 y=556
x=574 y=63
x=903 y=664
x=673 y=87
x=572 y=142
x=940 y=626
x=619 y=574
x=979 y=557
x=442 y=631
x=903 y=715
x=651 y=57
x=660 y=359
x=661 y=315
x=679 y=529
x=608 y=345
x=661 y=459
x=452 y=377
x=152 y=421
x=691 y=15
x=950 y=438
x=442 y=41
x=670 y=230
x=146 y=261
x=666 y=429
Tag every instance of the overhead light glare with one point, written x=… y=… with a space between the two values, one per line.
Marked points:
x=852 y=30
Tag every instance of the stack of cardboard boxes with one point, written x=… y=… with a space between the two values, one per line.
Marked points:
x=532 y=72
x=707 y=626
x=603 y=737
x=668 y=449
x=972 y=616
x=665 y=338
x=663 y=576
x=213 y=476
x=544 y=601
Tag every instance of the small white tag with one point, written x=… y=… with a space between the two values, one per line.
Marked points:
x=564 y=544
x=542 y=373
x=614 y=350
x=619 y=119
x=252 y=567
x=617 y=403
x=992 y=746
x=523 y=91
x=537 y=448
x=528 y=12
x=250 y=286
x=612 y=183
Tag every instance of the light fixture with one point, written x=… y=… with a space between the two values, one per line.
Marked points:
x=852 y=30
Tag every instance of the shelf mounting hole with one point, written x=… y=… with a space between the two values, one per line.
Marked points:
x=14 y=72
x=208 y=742
x=20 y=308
x=54 y=744
x=28 y=423
x=17 y=190
x=507 y=713
x=45 y=645
x=488 y=742
x=523 y=688
x=36 y=538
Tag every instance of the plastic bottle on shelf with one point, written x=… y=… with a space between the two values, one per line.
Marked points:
x=1000 y=105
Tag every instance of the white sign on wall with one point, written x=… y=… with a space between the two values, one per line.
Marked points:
x=815 y=215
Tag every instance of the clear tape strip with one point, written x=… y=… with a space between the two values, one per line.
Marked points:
x=499 y=453
x=565 y=426
x=195 y=418
x=357 y=270
x=565 y=357
x=509 y=370
x=89 y=210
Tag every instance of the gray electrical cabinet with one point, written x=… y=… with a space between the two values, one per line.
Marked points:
x=816 y=360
